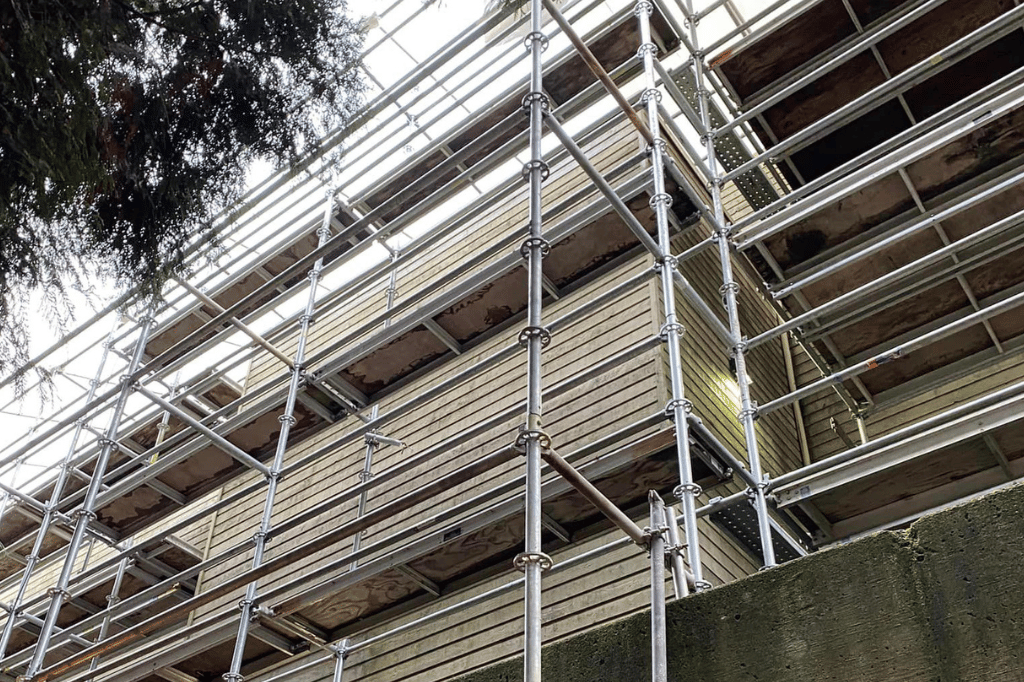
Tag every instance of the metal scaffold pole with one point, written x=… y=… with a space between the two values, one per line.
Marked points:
x=534 y=336
x=287 y=419
x=86 y=513
x=678 y=407
x=63 y=473
x=373 y=439
x=656 y=546
x=730 y=293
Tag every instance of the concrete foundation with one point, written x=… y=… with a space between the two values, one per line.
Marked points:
x=942 y=601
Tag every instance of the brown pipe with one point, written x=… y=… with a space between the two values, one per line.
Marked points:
x=595 y=496
x=598 y=70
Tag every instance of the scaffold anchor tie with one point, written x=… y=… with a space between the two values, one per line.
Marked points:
x=524 y=559
x=526 y=250
x=535 y=164
x=534 y=332
x=687 y=489
x=672 y=405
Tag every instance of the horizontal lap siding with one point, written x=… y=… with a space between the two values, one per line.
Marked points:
x=620 y=396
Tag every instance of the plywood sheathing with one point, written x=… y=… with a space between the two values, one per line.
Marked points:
x=497 y=543
x=205 y=470
x=948 y=465
x=826 y=26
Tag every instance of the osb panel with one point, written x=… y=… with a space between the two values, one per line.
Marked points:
x=867 y=270
x=404 y=355
x=937 y=29
x=939 y=354
x=840 y=221
x=1009 y=325
x=792 y=44
x=869 y=11
x=160 y=342
x=207 y=469
x=489 y=306
x=1010 y=440
x=996 y=143
x=598 y=243
x=936 y=469
x=216 y=660
x=130 y=510
x=852 y=140
x=970 y=74
x=824 y=95
x=473 y=551
x=997 y=275
x=361 y=600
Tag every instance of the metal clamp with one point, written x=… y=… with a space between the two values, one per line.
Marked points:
x=534 y=332
x=650 y=93
x=307 y=320
x=535 y=164
x=89 y=514
x=232 y=677
x=314 y=273
x=645 y=49
x=729 y=286
x=524 y=559
x=668 y=260
x=701 y=585
x=753 y=412
x=531 y=97
x=525 y=435
x=365 y=475
x=670 y=327
x=687 y=489
x=643 y=7
x=286 y=418
x=661 y=199
x=263 y=536
x=671 y=405
x=323 y=232
x=526 y=250
x=535 y=36
x=55 y=591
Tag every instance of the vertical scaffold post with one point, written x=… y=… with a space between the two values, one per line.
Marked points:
x=63 y=473
x=340 y=654
x=671 y=331
x=730 y=293
x=676 y=550
x=287 y=419
x=371 y=438
x=656 y=546
x=112 y=600
x=87 y=513
x=532 y=561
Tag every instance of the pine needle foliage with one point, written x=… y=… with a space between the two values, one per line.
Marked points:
x=125 y=125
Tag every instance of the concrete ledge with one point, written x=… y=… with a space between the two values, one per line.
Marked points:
x=943 y=600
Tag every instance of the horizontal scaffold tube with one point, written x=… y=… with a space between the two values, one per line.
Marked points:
x=894 y=353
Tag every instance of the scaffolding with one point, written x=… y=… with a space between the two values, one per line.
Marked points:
x=184 y=441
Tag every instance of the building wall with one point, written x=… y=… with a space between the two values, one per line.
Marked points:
x=942 y=602
x=580 y=598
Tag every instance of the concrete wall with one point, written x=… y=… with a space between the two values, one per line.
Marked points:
x=940 y=602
